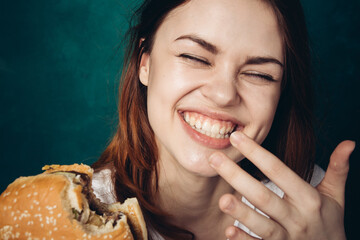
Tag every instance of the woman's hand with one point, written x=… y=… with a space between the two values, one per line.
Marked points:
x=305 y=212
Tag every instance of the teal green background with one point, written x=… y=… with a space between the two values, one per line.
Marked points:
x=59 y=67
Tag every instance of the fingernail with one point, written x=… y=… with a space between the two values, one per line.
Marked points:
x=229 y=205
x=235 y=137
x=215 y=160
x=230 y=233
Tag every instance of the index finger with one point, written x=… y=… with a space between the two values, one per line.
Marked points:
x=287 y=180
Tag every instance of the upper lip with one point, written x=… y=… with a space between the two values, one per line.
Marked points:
x=219 y=115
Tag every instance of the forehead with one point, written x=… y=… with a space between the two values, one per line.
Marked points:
x=229 y=24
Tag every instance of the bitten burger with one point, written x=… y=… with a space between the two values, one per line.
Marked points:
x=60 y=204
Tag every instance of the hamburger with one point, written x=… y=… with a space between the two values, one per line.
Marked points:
x=60 y=204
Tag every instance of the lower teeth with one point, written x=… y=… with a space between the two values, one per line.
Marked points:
x=213 y=135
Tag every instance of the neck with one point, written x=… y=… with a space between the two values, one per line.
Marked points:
x=188 y=197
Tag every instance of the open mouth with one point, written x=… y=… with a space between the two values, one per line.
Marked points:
x=210 y=127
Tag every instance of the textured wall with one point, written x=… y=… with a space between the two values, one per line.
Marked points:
x=59 y=62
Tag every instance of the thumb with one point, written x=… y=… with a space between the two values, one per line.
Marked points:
x=333 y=184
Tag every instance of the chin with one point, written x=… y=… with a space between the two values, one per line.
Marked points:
x=200 y=166
x=205 y=172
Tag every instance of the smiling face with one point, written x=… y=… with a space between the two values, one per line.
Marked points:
x=215 y=67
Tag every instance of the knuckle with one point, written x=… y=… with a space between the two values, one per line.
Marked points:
x=300 y=227
x=271 y=233
x=284 y=215
x=232 y=175
x=253 y=152
x=263 y=198
x=314 y=203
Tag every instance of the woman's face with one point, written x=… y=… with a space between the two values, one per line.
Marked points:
x=215 y=67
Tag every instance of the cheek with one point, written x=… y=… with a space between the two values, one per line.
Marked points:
x=166 y=86
x=262 y=101
x=170 y=80
x=261 y=104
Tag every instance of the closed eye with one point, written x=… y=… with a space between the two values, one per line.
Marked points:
x=195 y=59
x=260 y=76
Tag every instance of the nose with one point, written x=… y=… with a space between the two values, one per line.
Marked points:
x=222 y=89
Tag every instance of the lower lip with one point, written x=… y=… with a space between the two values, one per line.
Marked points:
x=216 y=143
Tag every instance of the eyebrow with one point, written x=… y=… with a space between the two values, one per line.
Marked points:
x=262 y=60
x=256 y=60
x=206 y=45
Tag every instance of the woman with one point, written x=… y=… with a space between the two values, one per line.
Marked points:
x=204 y=83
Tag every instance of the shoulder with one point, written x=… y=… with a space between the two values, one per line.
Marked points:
x=103 y=186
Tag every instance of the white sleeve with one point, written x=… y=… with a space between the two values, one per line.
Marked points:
x=103 y=186
x=317 y=176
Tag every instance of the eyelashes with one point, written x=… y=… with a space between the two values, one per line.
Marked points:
x=195 y=59
x=262 y=76
x=199 y=61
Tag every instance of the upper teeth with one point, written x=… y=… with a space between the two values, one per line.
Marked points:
x=210 y=127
